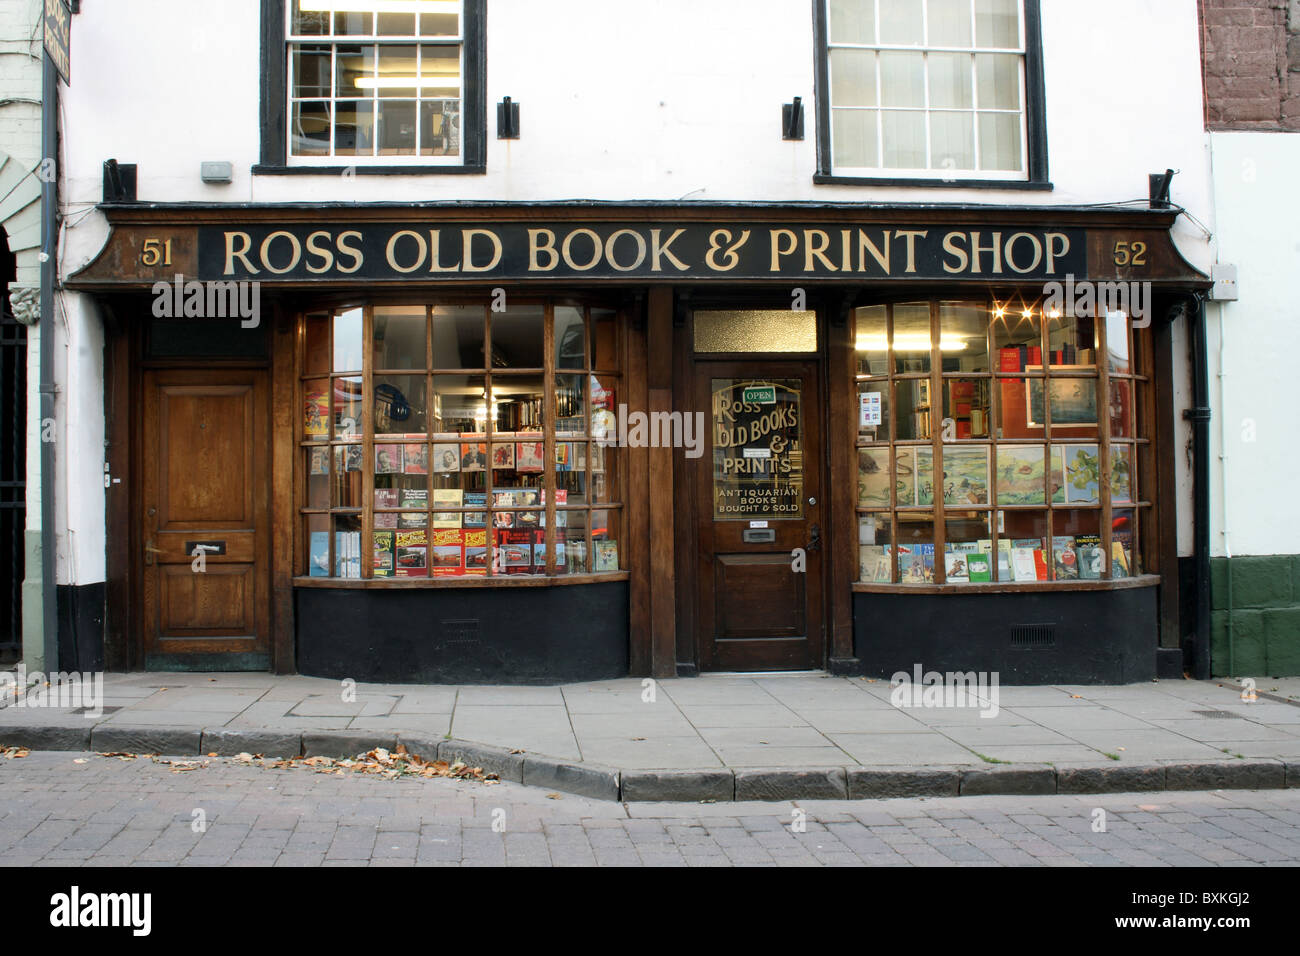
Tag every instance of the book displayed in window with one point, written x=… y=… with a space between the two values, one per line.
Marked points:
x=412 y=553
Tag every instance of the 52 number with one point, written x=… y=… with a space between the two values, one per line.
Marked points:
x=1130 y=253
x=156 y=252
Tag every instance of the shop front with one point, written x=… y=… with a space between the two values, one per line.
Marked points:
x=463 y=443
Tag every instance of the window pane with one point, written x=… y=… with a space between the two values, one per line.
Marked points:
x=571 y=552
x=316 y=410
x=397 y=128
x=398 y=76
x=952 y=141
x=912 y=341
x=1074 y=406
x=900 y=22
x=875 y=478
x=518 y=402
x=311 y=71
x=1071 y=341
x=1076 y=545
x=605 y=554
x=313 y=23
x=966 y=404
x=997 y=23
x=396 y=24
x=354 y=68
x=968 y=553
x=1082 y=464
x=779 y=330
x=347 y=341
x=518 y=337
x=459 y=404
x=311 y=129
x=458 y=333
x=915 y=555
x=1022 y=546
x=604 y=407
x=399 y=403
x=439 y=71
x=440 y=128
x=571 y=405
x=757 y=473
x=998 y=75
x=875 y=552
x=902 y=80
x=855 y=136
x=354 y=128
x=912 y=410
x=353 y=23
x=950 y=81
x=347 y=476
x=872 y=340
x=852 y=21
x=1117 y=343
x=1123 y=561
x=904 y=137
x=1021 y=474
x=347 y=546
x=571 y=473
x=1121 y=408
x=439 y=24
x=965 y=475
x=605 y=485
x=873 y=411
x=318 y=477
x=399 y=333
x=853 y=78
x=949 y=22
x=1000 y=142
x=570 y=337
x=963 y=340
x=1016 y=337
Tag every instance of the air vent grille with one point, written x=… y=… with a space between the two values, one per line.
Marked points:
x=1033 y=635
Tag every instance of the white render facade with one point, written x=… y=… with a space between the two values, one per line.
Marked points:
x=676 y=103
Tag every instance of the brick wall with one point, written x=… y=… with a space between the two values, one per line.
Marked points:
x=1251 y=52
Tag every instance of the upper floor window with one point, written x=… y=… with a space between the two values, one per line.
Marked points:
x=374 y=84
x=930 y=89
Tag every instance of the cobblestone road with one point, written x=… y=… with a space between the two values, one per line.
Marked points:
x=72 y=808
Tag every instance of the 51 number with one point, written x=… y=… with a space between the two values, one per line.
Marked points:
x=156 y=252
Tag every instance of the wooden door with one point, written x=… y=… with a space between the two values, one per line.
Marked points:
x=760 y=516
x=204 y=491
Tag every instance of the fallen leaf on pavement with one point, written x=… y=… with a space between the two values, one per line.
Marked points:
x=14 y=753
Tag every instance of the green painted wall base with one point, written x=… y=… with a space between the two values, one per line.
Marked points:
x=1260 y=635
x=33 y=610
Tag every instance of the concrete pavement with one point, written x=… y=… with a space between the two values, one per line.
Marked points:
x=716 y=737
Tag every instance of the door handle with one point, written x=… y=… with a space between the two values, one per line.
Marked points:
x=149 y=552
x=815 y=541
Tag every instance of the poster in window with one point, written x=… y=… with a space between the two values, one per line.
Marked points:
x=757 y=448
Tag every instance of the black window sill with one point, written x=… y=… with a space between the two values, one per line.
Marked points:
x=263 y=169
x=825 y=179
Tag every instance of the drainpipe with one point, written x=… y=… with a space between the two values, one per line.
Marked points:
x=1223 y=486
x=49 y=275
x=1199 y=416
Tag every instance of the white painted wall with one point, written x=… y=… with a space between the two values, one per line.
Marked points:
x=1255 y=507
x=675 y=100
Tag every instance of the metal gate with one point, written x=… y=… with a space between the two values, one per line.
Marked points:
x=13 y=473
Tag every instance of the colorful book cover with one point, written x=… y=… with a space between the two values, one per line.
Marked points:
x=1119 y=563
x=316 y=414
x=561 y=499
x=475 y=519
x=1005 y=568
x=604 y=555
x=874 y=564
x=473 y=457
x=385 y=519
x=515 y=551
x=503 y=456
x=1065 y=559
x=447 y=553
x=979 y=568
x=352 y=458
x=476 y=551
x=528 y=456
x=955 y=566
x=916 y=564
x=446 y=498
x=388 y=459
x=347 y=554
x=318 y=560
x=383 y=554
x=1040 y=564
x=446 y=458
x=1091 y=563
x=412 y=548
x=1022 y=564
x=386 y=498
x=415 y=459
x=320 y=461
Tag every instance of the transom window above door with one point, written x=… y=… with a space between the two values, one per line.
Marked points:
x=383 y=82
x=946 y=90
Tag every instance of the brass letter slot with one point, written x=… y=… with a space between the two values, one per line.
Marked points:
x=759 y=535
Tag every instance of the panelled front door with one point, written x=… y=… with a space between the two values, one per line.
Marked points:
x=203 y=520
x=759 y=510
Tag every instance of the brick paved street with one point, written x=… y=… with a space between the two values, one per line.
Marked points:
x=57 y=811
